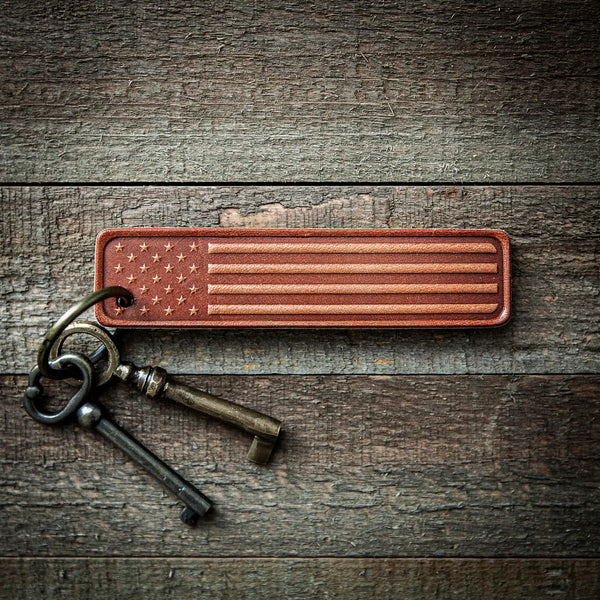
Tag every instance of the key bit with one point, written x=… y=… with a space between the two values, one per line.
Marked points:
x=156 y=383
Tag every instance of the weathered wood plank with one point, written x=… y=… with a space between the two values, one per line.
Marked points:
x=226 y=91
x=368 y=466
x=48 y=258
x=296 y=579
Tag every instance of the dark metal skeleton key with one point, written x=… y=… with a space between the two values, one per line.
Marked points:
x=156 y=383
x=91 y=416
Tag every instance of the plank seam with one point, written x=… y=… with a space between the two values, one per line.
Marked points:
x=328 y=557
x=236 y=183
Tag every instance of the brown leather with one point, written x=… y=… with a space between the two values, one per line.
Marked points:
x=305 y=277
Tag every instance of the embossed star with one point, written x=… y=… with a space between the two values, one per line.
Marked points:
x=168 y=289
x=144 y=310
x=193 y=289
x=156 y=257
x=156 y=300
x=143 y=289
x=118 y=310
x=180 y=257
x=144 y=269
x=143 y=247
x=193 y=269
x=118 y=268
x=169 y=268
x=193 y=311
x=180 y=300
x=168 y=247
x=156 y=279
x=181 y=278
x=168 y=310
x=131 y=257
x=119 y=247
x=131 y=278
x=193 y=247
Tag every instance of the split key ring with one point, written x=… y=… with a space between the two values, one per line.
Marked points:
x=107 y=348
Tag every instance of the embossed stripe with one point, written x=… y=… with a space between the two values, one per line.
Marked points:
x=351 y=248
x=349 y=309
x=355 y=288
x=242 y=269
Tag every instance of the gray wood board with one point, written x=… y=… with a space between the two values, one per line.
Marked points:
x=47 y=259
x=298 y=579
x=369 y=466
x=334 y=91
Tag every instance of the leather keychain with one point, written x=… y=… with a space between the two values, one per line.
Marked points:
x=159 y=277
x=185 y=277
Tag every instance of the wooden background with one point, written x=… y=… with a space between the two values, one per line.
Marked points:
x=415 y=464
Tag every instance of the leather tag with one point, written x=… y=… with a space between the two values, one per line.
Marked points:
x=305 y=277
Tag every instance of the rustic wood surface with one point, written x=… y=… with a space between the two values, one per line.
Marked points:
x=298 y=579
x=369 y=466
x=415 y=464
x=373 y=465
x=554 y=230
x=296 y=91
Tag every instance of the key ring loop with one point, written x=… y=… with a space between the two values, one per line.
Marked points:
x=35 y=390
x=45 y=367
x=107 y=347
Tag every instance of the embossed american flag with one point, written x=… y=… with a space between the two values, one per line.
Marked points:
x=305 y=277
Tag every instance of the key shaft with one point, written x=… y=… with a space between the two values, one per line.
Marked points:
x=90 y=415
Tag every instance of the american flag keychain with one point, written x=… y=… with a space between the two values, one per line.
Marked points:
x=262 y=278
x=286 y=278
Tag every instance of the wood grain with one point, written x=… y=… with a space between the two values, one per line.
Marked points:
x=48 y=256
x=369 y=466
x=297 y=579
x=380 y=479
x=226 y=91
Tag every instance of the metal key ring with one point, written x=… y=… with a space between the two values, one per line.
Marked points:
x=45 y=367
x=107 y=346
x=35 y=390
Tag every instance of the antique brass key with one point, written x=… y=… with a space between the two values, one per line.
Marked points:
x=155 y=382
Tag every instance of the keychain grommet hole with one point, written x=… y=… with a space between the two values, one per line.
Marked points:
x=124 y=302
